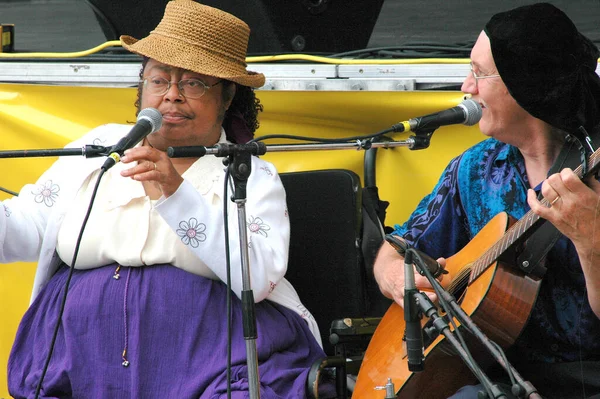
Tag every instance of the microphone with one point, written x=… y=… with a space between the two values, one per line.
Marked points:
x=467 y=112
x=413 y=334
x=427 y=261
x=149 y=120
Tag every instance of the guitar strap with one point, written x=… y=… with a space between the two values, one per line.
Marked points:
x=531 y=259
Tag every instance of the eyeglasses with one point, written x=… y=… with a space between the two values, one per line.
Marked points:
x=189 y=88
x=477 y=77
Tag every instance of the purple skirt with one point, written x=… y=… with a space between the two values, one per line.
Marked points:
x=172 y=326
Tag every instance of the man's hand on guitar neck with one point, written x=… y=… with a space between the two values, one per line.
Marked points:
x=573 y=207
x=389 y=274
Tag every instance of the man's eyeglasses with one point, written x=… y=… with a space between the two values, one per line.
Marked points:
x=189 y=88
x=477 y=77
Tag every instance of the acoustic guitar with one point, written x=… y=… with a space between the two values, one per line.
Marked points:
x=497 y=296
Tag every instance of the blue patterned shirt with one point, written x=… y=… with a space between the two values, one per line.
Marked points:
x=485 y=180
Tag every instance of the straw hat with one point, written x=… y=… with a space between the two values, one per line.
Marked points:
x=199 y=38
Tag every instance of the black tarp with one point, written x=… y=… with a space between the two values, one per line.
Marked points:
x=328 y=26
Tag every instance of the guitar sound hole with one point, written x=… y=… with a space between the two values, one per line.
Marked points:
x=458 y=287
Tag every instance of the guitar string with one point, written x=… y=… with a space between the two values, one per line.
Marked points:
x=528 y=220
x=485 y=261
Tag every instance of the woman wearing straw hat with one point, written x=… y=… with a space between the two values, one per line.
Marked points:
x=535 y=76
x=146 y=310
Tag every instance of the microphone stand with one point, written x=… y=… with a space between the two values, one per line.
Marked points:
x=441 y=326
x=88 y=151
x=239 y=160
x=413 y=143
x=521 y=388
x=418 y=142
x=417 y=304
x=413 y=334
x=239 y=156
x=240 y=167
x=239 y=164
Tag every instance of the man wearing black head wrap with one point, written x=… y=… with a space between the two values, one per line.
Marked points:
x=534 y=75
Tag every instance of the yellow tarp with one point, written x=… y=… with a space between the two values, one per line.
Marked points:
x=40 y=117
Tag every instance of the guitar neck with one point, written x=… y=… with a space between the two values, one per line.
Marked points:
x=523 y=228
x=518 y=232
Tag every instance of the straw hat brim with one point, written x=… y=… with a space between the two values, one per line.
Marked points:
x=174 y=52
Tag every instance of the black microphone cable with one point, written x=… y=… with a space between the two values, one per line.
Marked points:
x=469 y=115
x=72 y=268
x=67 y=282
x=363 y=138
x=228 y=282
x=149 y=120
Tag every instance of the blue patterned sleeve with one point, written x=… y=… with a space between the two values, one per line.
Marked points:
x=438 y=224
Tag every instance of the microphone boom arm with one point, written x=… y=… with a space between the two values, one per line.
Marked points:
x=521 y=387
x=220 y=150
x=88 y=151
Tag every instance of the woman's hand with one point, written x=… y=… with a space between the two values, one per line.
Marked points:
x=153 y=166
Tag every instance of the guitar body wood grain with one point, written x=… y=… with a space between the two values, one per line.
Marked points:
x=499 y=298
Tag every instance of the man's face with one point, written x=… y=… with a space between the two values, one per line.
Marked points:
x=501 y=113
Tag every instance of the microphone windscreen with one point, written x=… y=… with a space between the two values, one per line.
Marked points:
x=153 y=116
x=473 y=111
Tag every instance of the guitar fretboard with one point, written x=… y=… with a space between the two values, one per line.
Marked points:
x=522 y=226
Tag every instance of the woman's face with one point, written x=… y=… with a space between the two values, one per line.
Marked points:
x=186 y=121
x=502 y=116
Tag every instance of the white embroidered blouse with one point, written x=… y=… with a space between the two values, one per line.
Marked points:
x=125 y=226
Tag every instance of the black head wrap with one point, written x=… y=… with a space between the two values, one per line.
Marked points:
x=547 y=65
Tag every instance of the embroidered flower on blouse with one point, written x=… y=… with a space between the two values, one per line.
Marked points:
x=191 y=232
x=257 y=226
x=267 y=170
x=98 y=141
x=272 y=286
x=46 y=193
x=7 y=211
